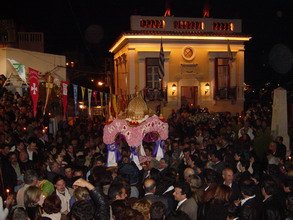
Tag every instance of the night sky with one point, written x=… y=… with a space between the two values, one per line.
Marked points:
x=66 y=23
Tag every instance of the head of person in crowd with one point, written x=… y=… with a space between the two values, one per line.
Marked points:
x=98 y=161
x=132 y=214
x=101 y=176
x=149 y=186
x=182 y=191
x=32 y=144
x=81 y=193
x=30 y=177
x=75 y=143
x=210 y=149
x=82 y=210
x=55 y=167
x=188 y=172
x=210 y=177
x=32 y=196
x=222 y=194
x=196 y=187
x=20 y=213
x=13 y=158
x=244 y=165
x=247 y=188
x=167 y=180
x=5 y=149
x=118 y=208
x=20 y=146
x=78 y=172
x=59 y=156
x=268 y=187
x=216 y=157
x=273 y=147
x=155 y=174
x=148 y=151
x=68 y=171
x=52 y=204
x=186 y=153
x=143 y=206
x=59 y=183
x=157 y=211
x=175 y=144
x=70 y=149
x=228 y=176
x=237 y=155
x=117 y=191
x=163 y=164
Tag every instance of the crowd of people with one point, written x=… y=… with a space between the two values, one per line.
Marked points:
x=215 y=166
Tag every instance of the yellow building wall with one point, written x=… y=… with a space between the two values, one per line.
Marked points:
x=204 y=70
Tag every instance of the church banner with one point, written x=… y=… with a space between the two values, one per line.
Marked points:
x=34 y=88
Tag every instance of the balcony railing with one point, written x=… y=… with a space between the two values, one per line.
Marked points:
x=226 y=94
x=154 y=95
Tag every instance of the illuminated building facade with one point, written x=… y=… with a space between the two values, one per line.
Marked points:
x=204 y=62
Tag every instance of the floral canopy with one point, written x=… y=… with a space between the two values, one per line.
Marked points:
x=134 y=134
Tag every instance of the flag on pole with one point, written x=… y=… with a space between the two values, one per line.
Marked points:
x=101 y=98
x=34 y=88
x=82 y=93
x=20 y=69
x=49 y=86
x=89 y=95
x=75 y=95
x=64 y=85
x=161 y=62
x=95 y=97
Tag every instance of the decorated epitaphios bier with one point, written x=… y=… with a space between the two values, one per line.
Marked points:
x=138 y=125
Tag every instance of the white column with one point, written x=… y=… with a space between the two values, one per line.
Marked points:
x=240 y=75
x=233 y=73
x=212 y=77
x=131 y=74
x=141 y=73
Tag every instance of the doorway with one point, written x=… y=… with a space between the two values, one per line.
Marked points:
x=189 y=95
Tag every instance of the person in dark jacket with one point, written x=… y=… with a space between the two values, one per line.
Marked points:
x=249 y=206
x=101 y=205
x=271 y=208
x=9 y=176
x=218 y=206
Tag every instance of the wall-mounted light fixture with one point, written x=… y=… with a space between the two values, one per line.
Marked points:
x=207 y=88
x=174 y=88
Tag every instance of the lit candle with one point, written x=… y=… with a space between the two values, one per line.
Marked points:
x=7 y=192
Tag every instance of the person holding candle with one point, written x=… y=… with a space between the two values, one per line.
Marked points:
x=4 y=210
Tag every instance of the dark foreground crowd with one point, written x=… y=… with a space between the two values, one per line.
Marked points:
x=215 y=166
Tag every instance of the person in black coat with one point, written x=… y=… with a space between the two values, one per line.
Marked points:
x=9 y=176
x=82 y=209
x=271 y=208
x=228 y=177
x=281 y=148
x=218 y=206
x=249 y=206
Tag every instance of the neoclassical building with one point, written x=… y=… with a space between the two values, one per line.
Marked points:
x=204 y=62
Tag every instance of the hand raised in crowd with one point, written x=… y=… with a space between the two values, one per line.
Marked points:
x=83 y=183
x=9 y=201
